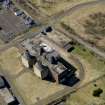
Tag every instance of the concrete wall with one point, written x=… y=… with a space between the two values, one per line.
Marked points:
x=25 y=62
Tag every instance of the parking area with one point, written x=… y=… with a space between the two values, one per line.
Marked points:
x=10 y=25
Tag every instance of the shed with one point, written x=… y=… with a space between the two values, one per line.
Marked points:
x=68 y=47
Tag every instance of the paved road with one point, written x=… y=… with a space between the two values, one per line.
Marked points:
x=57 y=17
x=83 y=42
x=53 y=20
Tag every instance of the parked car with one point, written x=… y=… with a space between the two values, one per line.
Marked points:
x=18 y=12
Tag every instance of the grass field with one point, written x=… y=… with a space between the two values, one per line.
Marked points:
x=94 y=69
x=84 y=96
x=60 y=5
x=93 y=65
x=78 y=18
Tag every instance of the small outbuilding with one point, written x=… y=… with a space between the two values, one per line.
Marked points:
x=68 y=47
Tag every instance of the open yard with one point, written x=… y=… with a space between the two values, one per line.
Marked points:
x=93 y=65
x=88 y=23
x=52 y=8
x=84 y=96
x=94 y=79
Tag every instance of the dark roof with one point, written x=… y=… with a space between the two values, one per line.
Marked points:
x=67 y=46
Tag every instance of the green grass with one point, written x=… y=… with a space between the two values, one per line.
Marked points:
x=97 y=63
x=84 y=96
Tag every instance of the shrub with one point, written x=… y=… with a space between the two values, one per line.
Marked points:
x=97 y=92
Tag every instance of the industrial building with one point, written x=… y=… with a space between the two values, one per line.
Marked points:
x=46 y=61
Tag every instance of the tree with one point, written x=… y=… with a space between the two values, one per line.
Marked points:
x=97 y=92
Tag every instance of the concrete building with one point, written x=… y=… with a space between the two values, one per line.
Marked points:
x=41 y=70
x=48 y=61
x=60 y=72
x=28 y=60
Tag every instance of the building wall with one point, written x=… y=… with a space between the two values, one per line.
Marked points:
x=40 y=73
x=25 y=62
x=37 y=71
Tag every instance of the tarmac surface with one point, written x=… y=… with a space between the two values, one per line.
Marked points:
x=11 y=25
